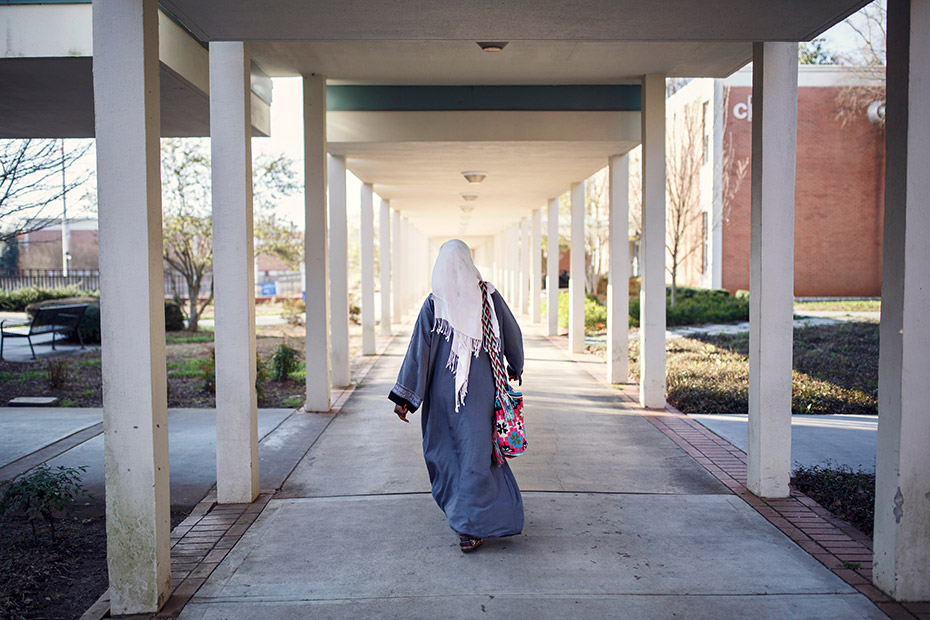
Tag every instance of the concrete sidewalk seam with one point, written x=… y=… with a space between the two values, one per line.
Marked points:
x=23 y=464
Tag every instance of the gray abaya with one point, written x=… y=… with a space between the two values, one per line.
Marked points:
x=479 y=498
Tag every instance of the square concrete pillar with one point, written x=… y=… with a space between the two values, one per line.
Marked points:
x=316 y=246
x=367 y=257
x=233 y=273
x=552 y=268
x=338 y=273
x=135 y=418
x=902 y=471
x=536 y=266
x=524 y=265
x=652 y=247
x=618 y=272
x=577 y=279
x=771 y=266
x=384 y=266
x=397 y=275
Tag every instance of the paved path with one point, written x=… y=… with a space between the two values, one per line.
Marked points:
x=74 y=437
x=815 y=439
x=621 y=522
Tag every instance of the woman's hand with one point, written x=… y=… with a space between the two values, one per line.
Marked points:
x=401 y=411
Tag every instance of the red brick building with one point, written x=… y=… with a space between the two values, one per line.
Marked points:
x=839 y=192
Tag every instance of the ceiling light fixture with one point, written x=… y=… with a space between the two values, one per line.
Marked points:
x=469 y=197
x=467 y=208
x=474 y=177
x=492 y=46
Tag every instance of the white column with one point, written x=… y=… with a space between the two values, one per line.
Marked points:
x=396 y=267
x=536 y=265
x=135 y=418
x=576 y=282
x=652 y=247
x=384 y=247
x=618 y=272
x=405 y=275
x=902 y=473
x=367 y=257
x=338 y=272
x=514 y=283
x=316 y=246
x=552 y=268
x=525 y=265
x=771 y=266
x=233 y=273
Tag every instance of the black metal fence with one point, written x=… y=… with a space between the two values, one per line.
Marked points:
x=279 y=285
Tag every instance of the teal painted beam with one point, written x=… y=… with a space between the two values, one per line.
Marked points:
x=611 y=98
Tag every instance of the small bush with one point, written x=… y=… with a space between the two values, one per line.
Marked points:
x=57 y=373
x=284 y=361
x=41 y=494
x=261 y=377
x=174 y=317
x=293 y=308
x=206 y=371
x=848 y=494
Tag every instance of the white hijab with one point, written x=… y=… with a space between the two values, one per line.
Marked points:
x=457 y=303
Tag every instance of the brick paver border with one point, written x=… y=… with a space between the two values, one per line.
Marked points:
x=836 y=544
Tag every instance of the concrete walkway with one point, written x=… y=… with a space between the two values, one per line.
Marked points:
x=73 y=437
x=849 y=440
x=620 y=522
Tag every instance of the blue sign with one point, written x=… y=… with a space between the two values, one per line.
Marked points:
x=269 y=289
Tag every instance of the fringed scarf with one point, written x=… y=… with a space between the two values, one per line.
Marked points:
x=458 y=306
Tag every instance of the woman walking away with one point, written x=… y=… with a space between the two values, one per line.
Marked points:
x=447 y=375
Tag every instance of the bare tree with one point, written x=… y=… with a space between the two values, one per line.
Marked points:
x=596 y=229
x=869 y=26
x=187 y=225
x=683 y=160
x=32 y=185
x=274 y=178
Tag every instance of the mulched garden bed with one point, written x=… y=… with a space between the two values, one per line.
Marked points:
x=835 y=371
x=185 y=353
x=54 y=580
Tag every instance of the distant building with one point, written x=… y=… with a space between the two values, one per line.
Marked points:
x=41 y=249
x=839 y=192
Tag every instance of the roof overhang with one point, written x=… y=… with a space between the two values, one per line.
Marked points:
x=46 y=72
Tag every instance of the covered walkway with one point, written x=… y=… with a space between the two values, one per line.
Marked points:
x=620 y=520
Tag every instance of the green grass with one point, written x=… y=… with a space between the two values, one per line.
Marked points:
x=835 y=371
x=90 y=363
x=851 y=305
x=292 y=401
x=301 y=373
x=187 y=337
x=21 y=376
x=69 y=403
x=185 y=368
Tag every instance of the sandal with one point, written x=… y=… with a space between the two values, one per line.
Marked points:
x=469 y=543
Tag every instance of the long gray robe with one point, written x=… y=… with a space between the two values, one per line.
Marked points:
x=478 y=497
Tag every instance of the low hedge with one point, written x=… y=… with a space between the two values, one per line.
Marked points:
x=695 y=306
x=17 y=300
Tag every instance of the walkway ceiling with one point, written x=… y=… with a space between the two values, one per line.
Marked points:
x=424 y=42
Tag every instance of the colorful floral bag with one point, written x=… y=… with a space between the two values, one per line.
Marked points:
x=509 y=435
